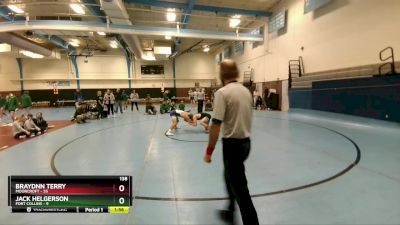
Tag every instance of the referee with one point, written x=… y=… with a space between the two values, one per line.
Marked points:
x=200 y=100
x=233 y=107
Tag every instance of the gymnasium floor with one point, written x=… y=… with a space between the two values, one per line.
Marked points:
x=306 y=167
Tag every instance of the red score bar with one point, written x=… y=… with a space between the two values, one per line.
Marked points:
x=69 y=185
x=89 y=189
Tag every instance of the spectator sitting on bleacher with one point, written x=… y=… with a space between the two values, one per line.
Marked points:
x=40 y=122
x=80 y=114
x=150 y=109
x=30 y=126
x=208 y=106
x=18 y=129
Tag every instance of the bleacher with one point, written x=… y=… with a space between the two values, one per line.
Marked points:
x=299 y=78
x=306 y=80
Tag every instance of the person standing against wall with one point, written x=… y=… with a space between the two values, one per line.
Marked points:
x=201 y=95
x=195 y=93
x=12 y=106
x=100 y=105
x=2 y=108
x=213 y=94
x=26 y=102
x=119 y=100
x=166 y=95
x=125 y=98
x=109 y=100
x=255 y=96
x=266 y=97
x=233 y=108
x=191 y=94
x=134 y=98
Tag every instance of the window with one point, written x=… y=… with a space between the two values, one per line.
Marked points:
x=238 y=48
x=311 y=5
x=259 y=30
x=227 y=53
x=218 y=58
x=277 y=22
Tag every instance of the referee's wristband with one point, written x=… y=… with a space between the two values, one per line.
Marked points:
x=209 y=150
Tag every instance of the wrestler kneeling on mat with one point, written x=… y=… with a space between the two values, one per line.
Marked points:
x=175 y=114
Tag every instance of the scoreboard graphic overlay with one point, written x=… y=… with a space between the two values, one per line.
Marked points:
x=70 y=194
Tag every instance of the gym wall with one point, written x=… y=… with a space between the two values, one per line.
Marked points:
x=9 y=74
x=104 y=71
x=341 y=34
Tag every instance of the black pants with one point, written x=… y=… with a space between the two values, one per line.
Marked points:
x=101 y=113
x=235 y=152
x=17 y=135
x=34 y=131
x=136 y=106
x=200 y=106
x=258 y=103
x=266 y=102
x=43 y=129
x=110 y=108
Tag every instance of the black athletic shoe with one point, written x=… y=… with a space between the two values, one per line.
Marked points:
x=227 y=216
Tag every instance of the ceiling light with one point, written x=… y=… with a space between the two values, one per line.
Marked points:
x=234 y=21
x=206 y=48
x=74 y=42
x=5 y=47
x=171 y=15
x=149 y=56
x=15 y=9
x=101 y=33
x=162 y=50
x=77 y=8
x=31 y=54
x=113 y=44
x=167 y=37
